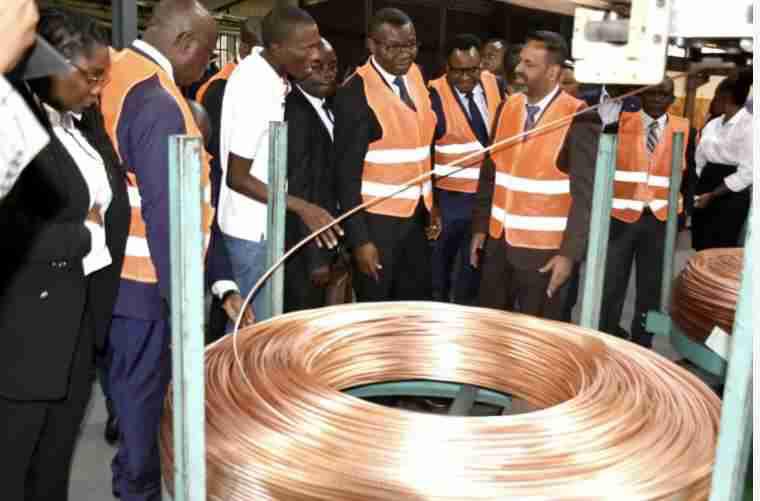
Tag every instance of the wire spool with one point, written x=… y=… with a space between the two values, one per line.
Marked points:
x=613 y=420
x=706 y=292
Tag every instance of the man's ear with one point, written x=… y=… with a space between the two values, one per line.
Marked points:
x=184 y=40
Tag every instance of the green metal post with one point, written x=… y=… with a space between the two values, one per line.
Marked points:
x=671 y=231
x=187 y=318
x=277 y=182
x=596 y=259
x=735 y=440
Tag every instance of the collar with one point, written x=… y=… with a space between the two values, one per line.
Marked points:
x=662 y=121
x=478 y=90
x=156 y=55
x=386 y=76
x=317 y=102
x=739 y=115
x=543 y=103
x=63 y=119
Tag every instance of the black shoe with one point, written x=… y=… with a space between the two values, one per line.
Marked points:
x=111 y=433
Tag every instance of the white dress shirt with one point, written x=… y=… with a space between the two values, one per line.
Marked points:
x=389 y=79
x=220 y=287
x=93 y=171
x=21 y=136
x=544 y=103
x=648 y=121
x=479 y=95
x=254 y=96
x=728 y=143
x=319 y=105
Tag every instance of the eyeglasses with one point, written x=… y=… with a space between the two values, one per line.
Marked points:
x=92 y=80
x=460 y=72
x=397 y=48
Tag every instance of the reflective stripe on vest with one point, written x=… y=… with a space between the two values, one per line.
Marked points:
x=403 y=153
x=128 y=69
x=531 y=197
x=223 y=74
x=642 y=178
x=459 y=139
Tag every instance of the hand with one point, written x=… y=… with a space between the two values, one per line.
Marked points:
x=368 y=260
x=94 y=216
x=433 y=230
x=18 y=19
x=561 y=268
x=320 y=277
x=476 y=246
x=315 y=218
x=702 y=201
x=232 y=305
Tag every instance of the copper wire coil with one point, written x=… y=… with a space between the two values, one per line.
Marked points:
x=706 y=292
x=615 y=421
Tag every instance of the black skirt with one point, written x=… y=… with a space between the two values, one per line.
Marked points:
x=720 y=224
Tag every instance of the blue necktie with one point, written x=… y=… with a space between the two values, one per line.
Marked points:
x=403 y=93
x=530 y=120
x=476 y=119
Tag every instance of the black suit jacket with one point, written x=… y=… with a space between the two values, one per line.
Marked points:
x=43 y=290
x=311 y=176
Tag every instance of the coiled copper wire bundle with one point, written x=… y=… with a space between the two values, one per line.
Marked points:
x=615 y=421
x=706 y=292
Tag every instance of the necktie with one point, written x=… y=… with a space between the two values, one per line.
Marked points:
x=653 y=137
x=329 y=114
x=403 y=93
x=530 y=120
x=476 y=118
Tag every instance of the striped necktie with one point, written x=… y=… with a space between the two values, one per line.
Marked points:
x=653 y=137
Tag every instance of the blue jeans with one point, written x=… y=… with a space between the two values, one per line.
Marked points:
x=249 y=263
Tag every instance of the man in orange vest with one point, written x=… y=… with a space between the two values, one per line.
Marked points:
x=465 y=101
x=534 y=195
x=210 y=97
x=640 y=209
x=384 y=126
x=142 y=106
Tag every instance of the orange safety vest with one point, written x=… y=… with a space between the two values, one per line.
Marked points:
x=641 y=178
x=223 y=74
x=403 y=153
x=531 y=198
x=459 y=140
x=128 y=69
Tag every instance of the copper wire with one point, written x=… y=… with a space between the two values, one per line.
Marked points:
x=706 y=292
x=614 y=421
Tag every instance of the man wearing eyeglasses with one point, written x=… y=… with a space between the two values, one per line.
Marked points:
x=465 y=100
x=384 y=126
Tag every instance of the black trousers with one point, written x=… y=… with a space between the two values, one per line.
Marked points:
x=720 y=223
x=299 y=293
x=37 y=438
x=642 y=242
x=504 y=286
x=405 y=256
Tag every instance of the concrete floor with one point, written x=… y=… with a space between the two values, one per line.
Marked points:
x=91 y=474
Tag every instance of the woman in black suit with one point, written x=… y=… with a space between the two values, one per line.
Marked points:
x=64 y=228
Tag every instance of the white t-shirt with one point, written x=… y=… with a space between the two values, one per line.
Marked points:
x=254 y=96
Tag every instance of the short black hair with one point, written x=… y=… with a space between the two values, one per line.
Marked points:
x=511 y=60
x=737 y=86
x=72 y=33
x=555 y=45
x=464 y=42
x=281 y=22
x=388 y=15
x=250 y=31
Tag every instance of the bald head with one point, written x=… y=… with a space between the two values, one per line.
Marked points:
x=185 y=32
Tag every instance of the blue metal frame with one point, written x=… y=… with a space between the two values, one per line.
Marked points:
x=188 y=381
